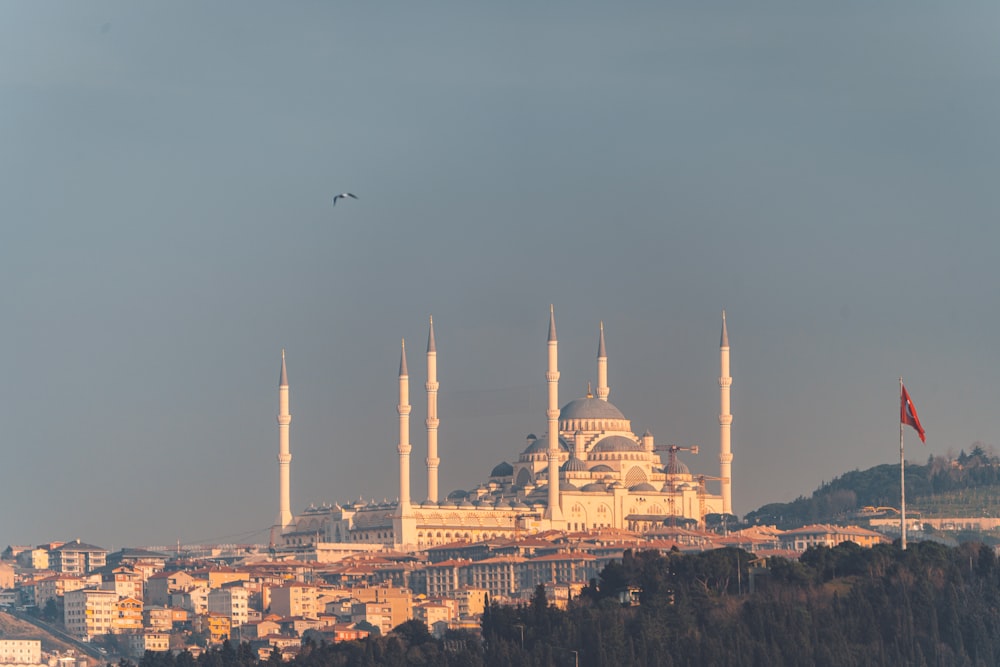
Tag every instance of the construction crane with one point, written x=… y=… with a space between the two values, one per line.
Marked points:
x=672 y=453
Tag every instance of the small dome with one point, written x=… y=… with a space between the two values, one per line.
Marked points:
x=676 y=467
x=574 y=464
x=600 y=467
x=542 y=446
x=644 y=487
x=466 y=503
x=594 y=487
x=503 y=469
x=457 y=494
x=567 y=486
x=616 y=443
x=590 y=408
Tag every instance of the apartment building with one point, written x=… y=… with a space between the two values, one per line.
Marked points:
x=295 y=599
x=89 y=612
x=230 y=601
x=77 y=558
x=20 y=651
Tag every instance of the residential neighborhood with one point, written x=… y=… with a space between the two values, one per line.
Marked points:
x=156 y=599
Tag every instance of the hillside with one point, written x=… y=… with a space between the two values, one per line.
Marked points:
x=15 y=628
x=966 y=486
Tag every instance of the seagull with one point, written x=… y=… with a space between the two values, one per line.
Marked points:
x=343 y=195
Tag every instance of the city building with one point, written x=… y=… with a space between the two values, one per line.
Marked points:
x=825 y=535
x=129 y=616
x=77 y=557
x=20 y=651
x=294 y=599
x=231 y=601
x=90 y=612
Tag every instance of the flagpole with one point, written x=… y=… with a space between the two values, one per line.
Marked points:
x=902 y=476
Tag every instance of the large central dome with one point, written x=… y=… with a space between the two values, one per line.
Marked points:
x=592 y=415
x=590 y=408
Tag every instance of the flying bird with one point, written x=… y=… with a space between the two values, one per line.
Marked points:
x=343 y=195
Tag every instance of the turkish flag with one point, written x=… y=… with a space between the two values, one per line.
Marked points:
x=908 y=414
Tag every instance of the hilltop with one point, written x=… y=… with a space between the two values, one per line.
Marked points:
x=965 y=486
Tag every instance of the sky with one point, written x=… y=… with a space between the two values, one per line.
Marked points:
x=824 y=172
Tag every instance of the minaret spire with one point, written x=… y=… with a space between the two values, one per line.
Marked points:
x=284 y=455
x=602 y=368
x=432 y=420
x=725 y=421
x=553 y=512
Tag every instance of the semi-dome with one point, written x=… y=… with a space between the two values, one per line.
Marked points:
x=600 y=467
x=541 y=446
x=574 y=464
x=590 y=408
x=594 y=487
x=503 y=469
x=644 y=487
x=536 y=447
x=616 y=443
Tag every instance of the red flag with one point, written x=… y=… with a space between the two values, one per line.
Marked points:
x=908 y=414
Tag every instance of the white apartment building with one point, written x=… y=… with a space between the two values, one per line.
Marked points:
x=77 y=558
x=90 y=612
x=20 y=651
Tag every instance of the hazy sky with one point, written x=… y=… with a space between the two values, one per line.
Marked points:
x=826 y=172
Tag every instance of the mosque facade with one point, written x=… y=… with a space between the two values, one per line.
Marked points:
x=589 y=470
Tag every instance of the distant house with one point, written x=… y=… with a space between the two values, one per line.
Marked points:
x=825 y=535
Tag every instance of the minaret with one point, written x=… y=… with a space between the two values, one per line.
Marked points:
x=602 y=368
x=432 y=417
x=725 y=422
x=403 y=408
x=284 y=455
x=553 y=512
x=404 y=522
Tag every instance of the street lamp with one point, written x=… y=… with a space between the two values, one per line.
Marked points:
x=520 y=626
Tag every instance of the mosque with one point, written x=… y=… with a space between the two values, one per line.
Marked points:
x=589 y=470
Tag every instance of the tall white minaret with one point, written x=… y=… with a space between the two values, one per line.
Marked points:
x=553 y=512
x=403 y=408
x=602 y=368
x=284 y=455
x=725 y=422
x=432 y=417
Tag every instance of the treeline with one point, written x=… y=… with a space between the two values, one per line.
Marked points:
x=928 y=605
x=838 y=499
